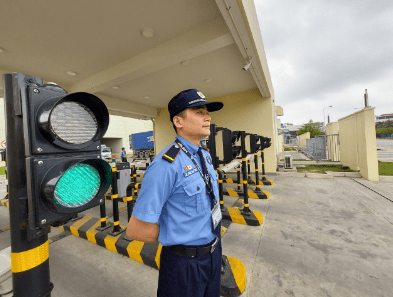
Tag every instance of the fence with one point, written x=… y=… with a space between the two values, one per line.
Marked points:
x=333 y=147
x=323 y=147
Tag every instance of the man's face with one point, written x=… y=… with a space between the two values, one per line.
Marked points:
x=196 y=123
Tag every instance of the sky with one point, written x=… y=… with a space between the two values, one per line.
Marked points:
x=323 y=53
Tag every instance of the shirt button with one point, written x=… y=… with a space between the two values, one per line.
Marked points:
x=197 y=188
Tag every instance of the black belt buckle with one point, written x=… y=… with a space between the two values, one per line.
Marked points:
x=214 y=245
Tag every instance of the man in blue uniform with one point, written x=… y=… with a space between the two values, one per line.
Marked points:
x=178 y=204
x=123 y=155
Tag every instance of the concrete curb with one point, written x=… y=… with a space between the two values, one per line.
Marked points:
x=319 y=175
x=328 y=175
x=251 y=194
x=233 y=281
x=292 y=174
x=346 y=174
x=386 y=178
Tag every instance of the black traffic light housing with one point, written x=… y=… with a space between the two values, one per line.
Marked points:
x=265 y=142
x=63 y=169
x=255 y=143
x=231 y=150
x=229 y=139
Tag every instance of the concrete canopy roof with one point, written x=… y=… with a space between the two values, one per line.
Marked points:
x=102 y=43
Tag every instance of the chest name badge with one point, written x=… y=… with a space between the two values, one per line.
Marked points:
x=209 y=160
x=188 y=173
x=216 y=216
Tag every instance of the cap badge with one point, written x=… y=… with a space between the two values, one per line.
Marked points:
x=200 y=94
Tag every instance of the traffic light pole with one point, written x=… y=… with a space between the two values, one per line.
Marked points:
x=115 y=200
x=221 y=190
x=263 y=166
x=238 y=190
x=29 y=257
x=246 y=210
x=249 y=180
x=257 y=189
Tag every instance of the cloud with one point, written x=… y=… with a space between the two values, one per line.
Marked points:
x=320 y=50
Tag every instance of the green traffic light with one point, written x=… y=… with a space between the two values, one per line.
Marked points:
x=77 y=186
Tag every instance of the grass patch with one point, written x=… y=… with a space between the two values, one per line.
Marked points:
x=385 y=168
x=323 y=169
x=289 y=149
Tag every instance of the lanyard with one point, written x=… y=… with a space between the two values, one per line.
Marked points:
x=199 y=169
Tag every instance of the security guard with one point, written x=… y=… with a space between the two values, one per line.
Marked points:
x=178 y=204
x=123 y=155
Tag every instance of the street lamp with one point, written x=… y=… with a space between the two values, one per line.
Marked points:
x=324 y=125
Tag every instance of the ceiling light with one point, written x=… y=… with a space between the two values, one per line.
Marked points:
x=208 y=80
x=185 y=63
x=147 y=97
x=116 y=87
x=147 y=32
x=72 y=73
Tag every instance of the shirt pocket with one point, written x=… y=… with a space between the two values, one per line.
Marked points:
x=193 y=196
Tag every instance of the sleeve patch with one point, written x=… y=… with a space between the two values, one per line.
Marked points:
x=171 y=154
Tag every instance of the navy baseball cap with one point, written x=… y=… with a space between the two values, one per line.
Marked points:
x=190 y=98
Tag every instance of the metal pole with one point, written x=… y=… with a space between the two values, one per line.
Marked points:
x=263 y=166
x=238 y=181
x=257 y=189
x=249 y=180
x=221 y=190
x=365 y=99
x=246 y=210
x=29 y=257
x=116 y=224
x=103 y=217
x=130 y=202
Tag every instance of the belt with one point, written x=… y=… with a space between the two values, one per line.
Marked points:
x=192 y=252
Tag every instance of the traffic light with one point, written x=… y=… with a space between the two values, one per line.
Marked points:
x=255 y=143
x=64 y=170
x=265 y=142
x=231 y=150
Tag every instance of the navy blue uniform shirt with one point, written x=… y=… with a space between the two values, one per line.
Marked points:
x=175 y=196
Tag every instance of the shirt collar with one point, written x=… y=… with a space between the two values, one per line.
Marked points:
x=189 y=146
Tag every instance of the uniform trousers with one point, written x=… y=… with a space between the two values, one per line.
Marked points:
x=182 y=276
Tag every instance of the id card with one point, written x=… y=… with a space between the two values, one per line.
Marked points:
x=216 y=216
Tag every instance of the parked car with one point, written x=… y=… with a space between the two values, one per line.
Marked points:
x=106 y=153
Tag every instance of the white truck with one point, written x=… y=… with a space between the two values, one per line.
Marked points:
x=106 y=153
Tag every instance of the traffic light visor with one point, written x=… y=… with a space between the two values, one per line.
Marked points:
x=73 y=121
x=70 y=186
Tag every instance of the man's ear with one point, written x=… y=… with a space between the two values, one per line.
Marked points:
x=178 y=122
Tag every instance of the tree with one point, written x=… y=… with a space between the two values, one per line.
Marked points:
x=384 y=124
x=388 y=130
x=309 y=128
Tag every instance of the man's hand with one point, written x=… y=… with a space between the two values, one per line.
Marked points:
x=142 y=231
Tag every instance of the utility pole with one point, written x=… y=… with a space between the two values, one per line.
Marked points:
x=366 y=99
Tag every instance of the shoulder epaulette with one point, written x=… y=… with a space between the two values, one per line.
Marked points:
x=205 y=148
x=171 y=154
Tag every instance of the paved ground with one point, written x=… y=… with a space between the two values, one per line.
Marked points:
x=320 y=237
x=385 y=150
